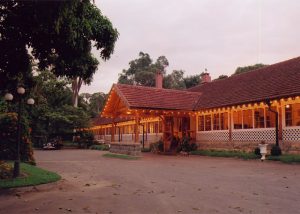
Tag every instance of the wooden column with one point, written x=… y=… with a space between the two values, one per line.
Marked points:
x=230 y=124
x=136 y=129
x=113 y=125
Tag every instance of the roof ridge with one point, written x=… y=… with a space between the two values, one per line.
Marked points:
x=154 y=88
x=252 y=72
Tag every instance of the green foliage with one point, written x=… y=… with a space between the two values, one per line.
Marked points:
x=103 y=147
x=142 y=71
x=120 y=156
x=60 y=33
x=8 y=138
x=275 y=150
x=53 y=115
x=186 y=146
x=245 y=69
x=146 y=150
x=34 y=176
x=288 y=158
x=192 y=80
x=257 y=151
x=223 y=153
x=85 y=139
x=160 y=146
x=221 y=77
x=175 y=80
x=92 y=103
x=6 y=170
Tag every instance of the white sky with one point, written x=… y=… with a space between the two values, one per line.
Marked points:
x=219 y=35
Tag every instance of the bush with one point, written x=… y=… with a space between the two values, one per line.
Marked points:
x=103 y=147
x=275 y=150
x=145 y=150
x=8 y=134
x=85 y=139
x=257 y=151
x=6 y=170
x=160 y=145
x=186 y=146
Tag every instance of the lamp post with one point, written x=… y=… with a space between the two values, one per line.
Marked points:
x=268 y=102
x=30 y=101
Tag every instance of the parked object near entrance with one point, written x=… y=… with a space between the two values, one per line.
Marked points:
x=263 y=150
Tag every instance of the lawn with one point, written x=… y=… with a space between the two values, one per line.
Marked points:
x=285 y=158
x=120 y=156
x=223 y=153
x=35 y=176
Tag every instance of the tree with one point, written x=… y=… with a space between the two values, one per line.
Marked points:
x=59 y=34
x=54 y=114
x=175 y=80
x=142 y=70
x=92 y=103
x=248 y=68
x=192 y=80
x=222 y=76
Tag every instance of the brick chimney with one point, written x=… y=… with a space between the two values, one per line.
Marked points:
x=158 y=79
x=205 y=77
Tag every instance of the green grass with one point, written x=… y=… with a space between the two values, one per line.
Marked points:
x=103 y=147
x=288 y=158
x=223 y=153
x=35 y=176
x=120 y=156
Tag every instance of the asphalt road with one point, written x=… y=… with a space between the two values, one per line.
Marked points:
x=157 y=184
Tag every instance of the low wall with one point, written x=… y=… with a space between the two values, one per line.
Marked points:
x=248 y=146
x=126 y=148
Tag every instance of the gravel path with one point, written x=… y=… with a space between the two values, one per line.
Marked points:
x=157 y=184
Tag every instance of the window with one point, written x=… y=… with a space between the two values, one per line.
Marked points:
x=270 y=118
x=259 y=118
x=201 y=123
x=156 y=127
x=248 y=119
x=292 y=114
x=237 y=120
x=207 y=122
x=216 y=121
x=224 y=121
x=160 y=124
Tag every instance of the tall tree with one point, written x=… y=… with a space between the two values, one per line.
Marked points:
x=142 y=70
x=248 y=68
x=175 y=80
x=58 y=33
x=192 y=80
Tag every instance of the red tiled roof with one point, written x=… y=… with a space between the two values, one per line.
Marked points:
x=270 y=82
x=157 y=98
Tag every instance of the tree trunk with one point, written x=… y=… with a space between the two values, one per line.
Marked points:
x=76 y=85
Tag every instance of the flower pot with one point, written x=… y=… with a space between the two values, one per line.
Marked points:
x=263 y=150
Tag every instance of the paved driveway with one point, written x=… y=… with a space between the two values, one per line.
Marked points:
x=157 y=184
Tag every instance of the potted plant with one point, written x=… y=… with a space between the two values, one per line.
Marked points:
x=263 y=150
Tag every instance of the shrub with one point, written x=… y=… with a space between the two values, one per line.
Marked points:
x=160 y=145
x=8 y=127
x=85 y=139
x=6 y=170
x=145 y=150
x=103 y=147
x=257 y=151
x=275 y=150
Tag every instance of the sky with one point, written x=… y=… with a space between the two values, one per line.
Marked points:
x=219 y=35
